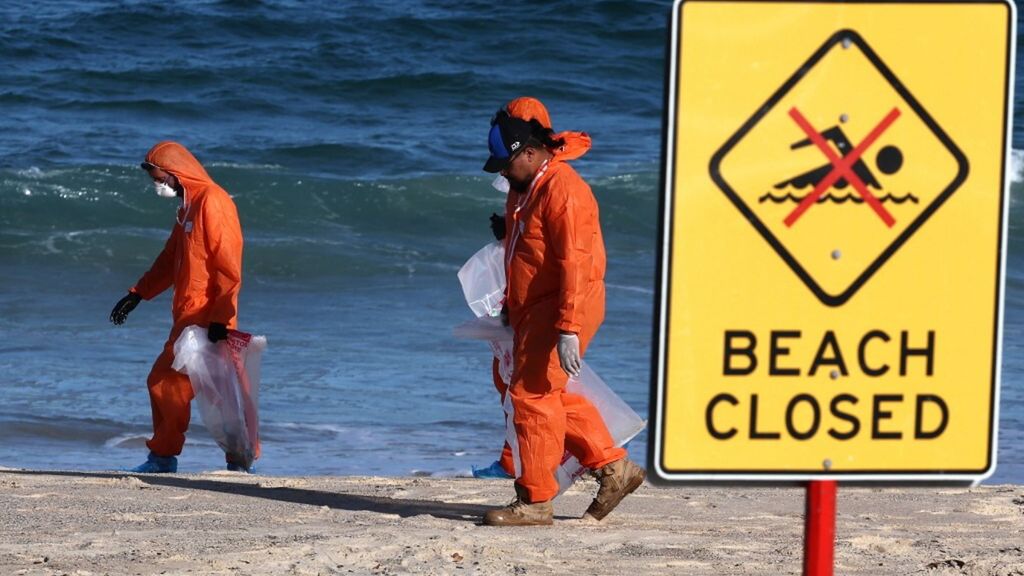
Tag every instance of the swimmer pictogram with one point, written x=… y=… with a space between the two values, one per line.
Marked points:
x=844 y=169
x=888 y=161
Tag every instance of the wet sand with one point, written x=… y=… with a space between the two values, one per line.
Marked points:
x=79 y=523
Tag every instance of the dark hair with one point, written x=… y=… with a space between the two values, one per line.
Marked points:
x=541 y=136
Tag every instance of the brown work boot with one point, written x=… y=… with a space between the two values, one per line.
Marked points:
x=521 y=513
x=617 y=480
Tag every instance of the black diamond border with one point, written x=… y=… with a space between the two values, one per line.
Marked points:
x=963 y=167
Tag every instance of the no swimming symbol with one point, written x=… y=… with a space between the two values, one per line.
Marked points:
x=886 y=149
x=846 y=169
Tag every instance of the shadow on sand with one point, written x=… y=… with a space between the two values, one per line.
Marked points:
x=337 y=501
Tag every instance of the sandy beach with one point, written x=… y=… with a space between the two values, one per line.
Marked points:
x=81 y=523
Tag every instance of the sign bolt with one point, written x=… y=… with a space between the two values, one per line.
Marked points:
x=844 y=118
x=846 y=43
x=827 y=464
x=834 y=374
x=836 y=254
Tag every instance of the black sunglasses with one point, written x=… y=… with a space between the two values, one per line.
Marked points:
x=147 y=166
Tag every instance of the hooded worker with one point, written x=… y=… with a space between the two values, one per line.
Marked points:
x=571 y=145
x=202 y=261
x=555 y=265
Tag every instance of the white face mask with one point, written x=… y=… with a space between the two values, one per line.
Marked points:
x=164 y=191
x=501 y=184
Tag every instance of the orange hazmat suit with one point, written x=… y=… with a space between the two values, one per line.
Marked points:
x=575 y=144
x=202 y=260
x=555 y=270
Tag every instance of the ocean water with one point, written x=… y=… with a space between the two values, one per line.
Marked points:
x=351 y=138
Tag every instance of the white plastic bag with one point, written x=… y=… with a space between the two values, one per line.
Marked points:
x=226 y=379
x=483 y=280
x=483 y=283
x=622 y=421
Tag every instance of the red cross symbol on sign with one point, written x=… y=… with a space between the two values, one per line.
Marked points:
x=841 y=167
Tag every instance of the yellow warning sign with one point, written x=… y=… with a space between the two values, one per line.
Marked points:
x=835 y=203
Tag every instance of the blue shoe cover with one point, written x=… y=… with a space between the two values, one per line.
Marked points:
x=493 y=471
x=232 y=467
x=157 y=465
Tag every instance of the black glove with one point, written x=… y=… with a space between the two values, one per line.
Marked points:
x=498 y=226
x=123 y=307
x=217 y=332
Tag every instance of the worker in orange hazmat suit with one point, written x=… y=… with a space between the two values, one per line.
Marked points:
x=555 y=264
x=572 y=145
x=202 y=261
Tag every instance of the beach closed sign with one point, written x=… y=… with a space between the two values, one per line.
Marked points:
x=833 y=237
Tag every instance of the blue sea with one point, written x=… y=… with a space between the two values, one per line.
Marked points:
x=351 y=136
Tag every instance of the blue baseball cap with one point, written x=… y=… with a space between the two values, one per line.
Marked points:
x=508 y=136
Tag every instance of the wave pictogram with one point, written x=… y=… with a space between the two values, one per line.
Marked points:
x=840 y=199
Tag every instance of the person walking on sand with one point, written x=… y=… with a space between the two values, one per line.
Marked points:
x=555 y=263
x=572 y=145
x=202 y=260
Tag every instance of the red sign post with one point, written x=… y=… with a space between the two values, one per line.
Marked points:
x=820 y=528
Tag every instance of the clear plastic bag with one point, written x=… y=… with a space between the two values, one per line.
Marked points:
x=622 y=421
x=226 y=379
x=483 y=280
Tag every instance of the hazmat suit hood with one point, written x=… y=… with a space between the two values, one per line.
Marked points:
x=527 y=108
x=576 y=144
x=175 y=159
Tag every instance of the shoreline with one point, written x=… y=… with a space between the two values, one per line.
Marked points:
x=54 y=522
